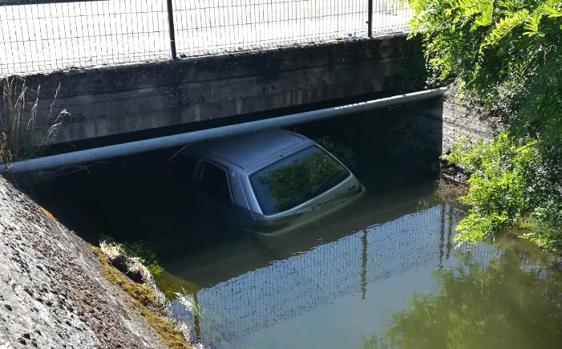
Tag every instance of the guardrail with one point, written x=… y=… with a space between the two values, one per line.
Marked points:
x=48 y=35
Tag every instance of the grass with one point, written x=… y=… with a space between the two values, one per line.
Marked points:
x=138 y=250
x=19 y=136
x=168 y=283
x=171 y=284
x=145 y=302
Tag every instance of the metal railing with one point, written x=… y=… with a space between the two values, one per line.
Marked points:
x=40 y=36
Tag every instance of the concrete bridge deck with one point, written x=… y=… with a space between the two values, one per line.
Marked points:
x=119 y=100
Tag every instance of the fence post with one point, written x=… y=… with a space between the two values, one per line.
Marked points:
x=370 y=19
x=172 y=29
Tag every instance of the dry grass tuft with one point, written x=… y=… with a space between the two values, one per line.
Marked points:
x=48 y=215
x=18 y=119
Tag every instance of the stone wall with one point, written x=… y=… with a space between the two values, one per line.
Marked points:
x=461 y=120
x=454 y=120
x=117 y=100
x=440 y=123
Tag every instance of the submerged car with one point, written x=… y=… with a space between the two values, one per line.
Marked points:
x=267 y=182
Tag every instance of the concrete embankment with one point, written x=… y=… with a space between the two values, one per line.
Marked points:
x=52 y=290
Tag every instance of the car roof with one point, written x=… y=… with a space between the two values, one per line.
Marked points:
x=248 y=150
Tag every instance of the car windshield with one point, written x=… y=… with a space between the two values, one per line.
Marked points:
x=296 y=179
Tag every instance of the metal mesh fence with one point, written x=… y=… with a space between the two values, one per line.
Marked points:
x=39 y=36
x=204 y=26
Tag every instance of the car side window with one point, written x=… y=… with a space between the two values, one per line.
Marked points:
x=214 y=182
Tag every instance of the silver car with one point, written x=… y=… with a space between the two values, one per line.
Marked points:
x=268 y=182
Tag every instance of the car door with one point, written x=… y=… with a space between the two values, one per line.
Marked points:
x=214 y=184
x=214 y=192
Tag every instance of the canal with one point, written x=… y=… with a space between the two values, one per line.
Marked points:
x=381 y=273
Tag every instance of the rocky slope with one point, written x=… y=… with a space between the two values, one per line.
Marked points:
x=52 y=291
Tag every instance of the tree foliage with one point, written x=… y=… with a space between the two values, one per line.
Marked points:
x=507 y=54
x=508 y=182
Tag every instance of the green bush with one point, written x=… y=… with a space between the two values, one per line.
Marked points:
x=505 y=185
x=507 y=55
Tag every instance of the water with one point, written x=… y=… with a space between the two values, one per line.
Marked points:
x=382 y=274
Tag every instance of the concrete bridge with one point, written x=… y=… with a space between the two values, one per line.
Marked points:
x=125 y=99
x=249 y=59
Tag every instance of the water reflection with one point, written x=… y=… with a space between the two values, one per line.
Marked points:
x=262 y=298
x=510 y=302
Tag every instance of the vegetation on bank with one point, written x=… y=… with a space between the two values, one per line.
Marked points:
x=168 y=283
x=507 y=56
x=138 y=250
x=22 y=130
x=145 y=301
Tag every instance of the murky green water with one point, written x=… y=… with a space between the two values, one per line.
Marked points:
x=381 y=274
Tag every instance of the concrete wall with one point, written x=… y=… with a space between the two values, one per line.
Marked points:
x=463 y=120
x=447 y=120
x=117 y=100
x=413 y=134
x=53 y=292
